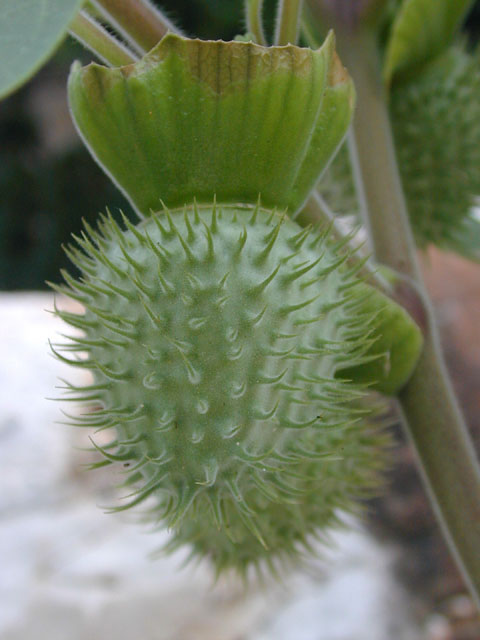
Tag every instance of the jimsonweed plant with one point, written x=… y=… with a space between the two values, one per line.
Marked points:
x=238 y=336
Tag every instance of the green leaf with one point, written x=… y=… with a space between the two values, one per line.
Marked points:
x=195 y=119
x=421 y=30
x=30 y=31
x=397 y=342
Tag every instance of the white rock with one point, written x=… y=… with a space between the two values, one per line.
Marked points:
x=68 y=571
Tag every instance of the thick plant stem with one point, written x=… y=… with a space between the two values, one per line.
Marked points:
x=446 y=453
x=375 y=169
x=253 y=11
x=288 y=22
x=137 y=20
x=92 y=35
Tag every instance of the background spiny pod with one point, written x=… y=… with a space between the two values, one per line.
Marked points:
x=435 y=119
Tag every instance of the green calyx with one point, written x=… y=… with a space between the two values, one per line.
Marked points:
x=215 y=335
x=193 y=118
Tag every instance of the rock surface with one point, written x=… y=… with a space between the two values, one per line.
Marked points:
x=70 y=571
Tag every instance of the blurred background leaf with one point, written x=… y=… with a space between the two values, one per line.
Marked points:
x=421 y=30
x=30 y=31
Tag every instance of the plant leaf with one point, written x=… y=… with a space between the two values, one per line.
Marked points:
x=421 y=30
x=397 y=343
x=30 y=31
x=436 y=126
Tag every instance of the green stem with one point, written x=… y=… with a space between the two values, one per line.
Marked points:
x=253 y=10
x=288 y=22
x=92 y=35
x=446 y=453
x=374 y=163
x=137 y=20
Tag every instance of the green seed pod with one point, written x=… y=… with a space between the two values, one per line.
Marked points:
x=224 y=340
x=435 y=118
x=215 y=335
x=436 y=125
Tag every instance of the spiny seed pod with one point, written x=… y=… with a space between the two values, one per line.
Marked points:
x=437 y=133
x=435 y=120
x=215 y=336
x=231 y=348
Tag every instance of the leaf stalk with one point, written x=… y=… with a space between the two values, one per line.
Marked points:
x=139 y=21
x=96 y=38
x=253 y=11
x=288 y=22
